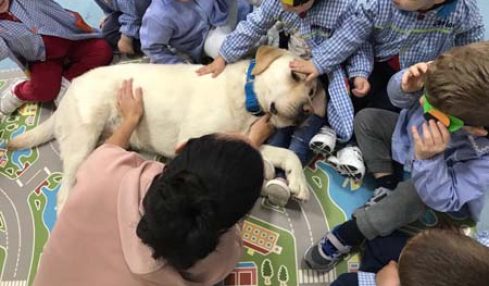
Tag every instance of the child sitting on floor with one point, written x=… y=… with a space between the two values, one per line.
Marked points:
x=182 y=31
x=446 y=99
x=56 y=44
x=122 y=22
x=434 y=257
x=310 y=23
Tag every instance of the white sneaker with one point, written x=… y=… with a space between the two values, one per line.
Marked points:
x=351 y=162
x=324 y=142
x=277 y=191
x=65 y=84
x=9 y=102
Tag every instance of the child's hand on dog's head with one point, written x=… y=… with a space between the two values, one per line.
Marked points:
x=413 y=78
x=215 y=68
x=129 y=102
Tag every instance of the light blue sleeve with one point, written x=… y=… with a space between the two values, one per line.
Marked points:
x=399 y=98
x=4 y=50
x=249 y=32
x=471 y=26
x=129 y=19
x=355 y=29
x=361 y=63
x=448 y=188
x=155 y=34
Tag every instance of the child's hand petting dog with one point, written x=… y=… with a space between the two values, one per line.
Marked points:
x=215 y=68
x=361 y=86
x=413 y=78
x=261 y=130
x=434 y=141
x=129 y=103
x=125 y=45
x=305 y=67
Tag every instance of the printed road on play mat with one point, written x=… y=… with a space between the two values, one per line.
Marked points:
x=274 y=238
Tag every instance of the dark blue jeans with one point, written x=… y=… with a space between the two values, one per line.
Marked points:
x=378 y=252
x=296 y=138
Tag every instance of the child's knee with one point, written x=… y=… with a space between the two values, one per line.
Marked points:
x=104 y=52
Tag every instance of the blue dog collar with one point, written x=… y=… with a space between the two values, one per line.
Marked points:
x=252 y=105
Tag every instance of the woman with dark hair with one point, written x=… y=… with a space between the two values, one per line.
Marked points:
x=134 y=222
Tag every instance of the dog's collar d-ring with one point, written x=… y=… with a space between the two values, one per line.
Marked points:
x=252 y=105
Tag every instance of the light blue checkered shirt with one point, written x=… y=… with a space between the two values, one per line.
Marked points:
x=414 y=36
x=23 y=42
x=319 y=23
x=132 y=14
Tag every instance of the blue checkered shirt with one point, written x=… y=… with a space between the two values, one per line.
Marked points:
x=414 y=36
x=132 y=14
x=22 y=41
x=319 y=23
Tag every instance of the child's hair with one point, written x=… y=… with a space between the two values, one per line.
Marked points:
x=201 y=193
x=438 y=257
x=457 y=83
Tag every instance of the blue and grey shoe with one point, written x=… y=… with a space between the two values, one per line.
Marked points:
x=317 y=259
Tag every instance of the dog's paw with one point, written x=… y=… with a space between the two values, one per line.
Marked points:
x=298 y=185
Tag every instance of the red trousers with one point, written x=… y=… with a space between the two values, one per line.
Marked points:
x=64 y=58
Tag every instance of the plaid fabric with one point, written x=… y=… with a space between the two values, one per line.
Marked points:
x=483 y=238
x=366 y=279
x=132 y=14
x=22 y=40
x=414 y=36
x=315 y=28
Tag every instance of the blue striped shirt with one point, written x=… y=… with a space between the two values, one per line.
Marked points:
x=318 y=24
x=414 y=36
x=132 y=14
x=22 y=41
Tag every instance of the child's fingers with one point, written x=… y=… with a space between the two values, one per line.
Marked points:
x=427 y=137
x=435 y=132
x=129 y=89
x=445 y=134
x=138 y=96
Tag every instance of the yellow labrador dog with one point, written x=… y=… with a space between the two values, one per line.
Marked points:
x=179 y=105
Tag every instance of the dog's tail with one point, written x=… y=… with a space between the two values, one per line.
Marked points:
x=32 y=138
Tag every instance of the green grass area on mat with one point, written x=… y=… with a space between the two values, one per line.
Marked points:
x=287 y=257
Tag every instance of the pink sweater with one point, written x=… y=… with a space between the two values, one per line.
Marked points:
x=94 y=241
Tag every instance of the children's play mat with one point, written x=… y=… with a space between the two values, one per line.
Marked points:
x=274 y=238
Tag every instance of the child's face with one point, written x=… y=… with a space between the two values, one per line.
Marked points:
x=416 y=5
x=298 y=9
x=4 y=4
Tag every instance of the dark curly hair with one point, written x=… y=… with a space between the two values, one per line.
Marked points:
x=201 y=193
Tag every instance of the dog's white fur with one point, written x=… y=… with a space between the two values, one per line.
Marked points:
x=178 y=105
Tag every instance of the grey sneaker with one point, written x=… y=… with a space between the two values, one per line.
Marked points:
x=9 y=102
x=316 y=259
x=277 y=191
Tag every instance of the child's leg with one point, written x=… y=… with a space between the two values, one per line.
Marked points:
x=379 y=251
x=302 y=135
x=403 y=206
x=373 y=131
x=44 y=82
x=86 y=55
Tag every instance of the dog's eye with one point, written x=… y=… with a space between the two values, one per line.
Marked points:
x=295 y=76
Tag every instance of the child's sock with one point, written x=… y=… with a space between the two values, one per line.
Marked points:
x=347 y=233
x=389 y=182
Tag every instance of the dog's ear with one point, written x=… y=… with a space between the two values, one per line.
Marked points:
x=318 y=102
x=264 y=57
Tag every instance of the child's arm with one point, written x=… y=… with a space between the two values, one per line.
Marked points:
x=244 y=38
x=405 y=87
x=131 y=18
x=355 y=29
x=471 y=28
x=440 y=186
x=155 y=36
x=4 y=50
x=359 y=67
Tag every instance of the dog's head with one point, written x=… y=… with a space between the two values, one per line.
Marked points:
x=283 y=93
